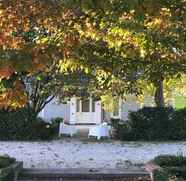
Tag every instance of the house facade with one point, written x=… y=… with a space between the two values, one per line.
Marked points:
x=88 y=111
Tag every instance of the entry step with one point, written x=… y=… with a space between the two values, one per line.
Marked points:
x=78 y=174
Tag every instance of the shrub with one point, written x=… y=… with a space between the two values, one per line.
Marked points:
x=7 y=173
x=173 y=165
x=23 y=125
x=5 y=161
x=42 y=130
x=160 y=175
x=55 y=122
x=170 y=160
x=179 y=128
x=152 y=124
x=121 y=129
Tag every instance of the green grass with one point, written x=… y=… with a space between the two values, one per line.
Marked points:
x=180 y=102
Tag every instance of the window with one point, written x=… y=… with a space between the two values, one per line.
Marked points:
x=86 y=105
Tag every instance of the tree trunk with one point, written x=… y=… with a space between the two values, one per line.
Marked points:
x=159 y=97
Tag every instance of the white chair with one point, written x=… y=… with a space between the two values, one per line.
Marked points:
x=99 y=131
x=67 y=129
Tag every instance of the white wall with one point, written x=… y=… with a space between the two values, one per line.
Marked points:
x=130 y=104
x=148 y=101
x=126 y=106
x=54 y=109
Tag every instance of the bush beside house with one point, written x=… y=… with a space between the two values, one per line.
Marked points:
x=152 y=124
x=24 y=125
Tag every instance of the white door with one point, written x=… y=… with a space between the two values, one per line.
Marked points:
x=87 y=111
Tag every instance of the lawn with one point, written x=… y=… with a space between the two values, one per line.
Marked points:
x=180 y=102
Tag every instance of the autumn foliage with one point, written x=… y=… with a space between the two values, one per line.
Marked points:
x=114 y=40
x=24 y=47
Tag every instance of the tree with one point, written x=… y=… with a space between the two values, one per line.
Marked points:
x=40 y=90
x=43 y=87
x=117 y=42
x=148 y=36
x=17 y=55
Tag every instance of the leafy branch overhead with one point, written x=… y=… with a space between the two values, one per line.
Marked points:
x=115 y=43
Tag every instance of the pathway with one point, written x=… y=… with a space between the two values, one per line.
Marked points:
x=71 y=153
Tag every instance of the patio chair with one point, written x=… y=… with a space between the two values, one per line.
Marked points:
x=65 y=129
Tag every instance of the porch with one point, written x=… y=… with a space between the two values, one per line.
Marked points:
x=85 y=111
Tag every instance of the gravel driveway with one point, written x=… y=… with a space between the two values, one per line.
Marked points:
x=73 y=153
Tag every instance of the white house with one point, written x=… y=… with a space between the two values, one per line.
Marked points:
x=87 y=111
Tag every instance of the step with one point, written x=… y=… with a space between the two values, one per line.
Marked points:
x=77 y=174
x=58 y=180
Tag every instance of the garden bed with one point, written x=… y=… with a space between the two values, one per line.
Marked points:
x=9 y=168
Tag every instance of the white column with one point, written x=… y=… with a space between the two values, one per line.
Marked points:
x=90 y=104
x=73 y=110
x=120 y=108
x=92 y=117
x=80 y=105
x=98 y=112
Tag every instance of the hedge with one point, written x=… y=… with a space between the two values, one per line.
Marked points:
x=152 y=124
x=24 y=125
